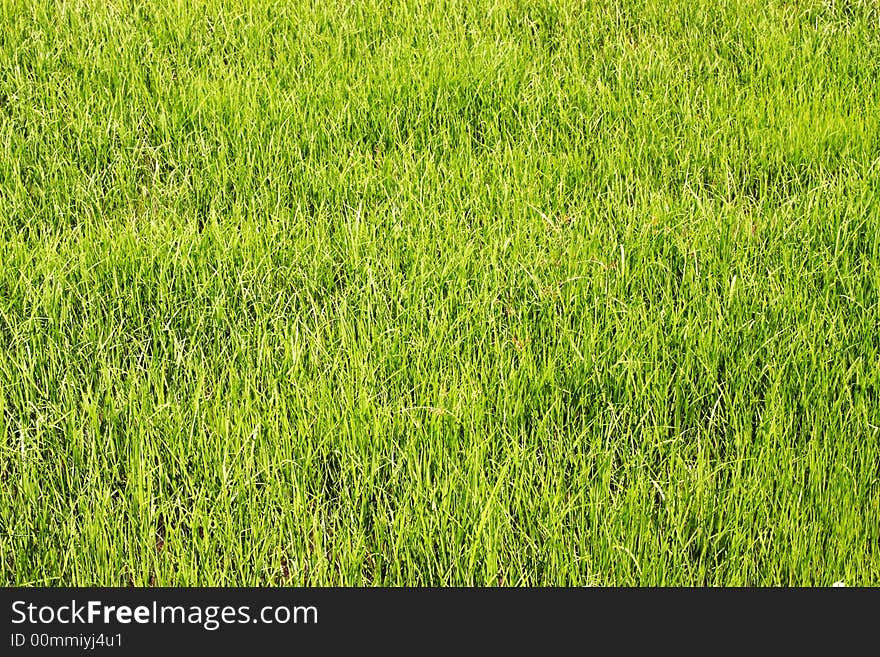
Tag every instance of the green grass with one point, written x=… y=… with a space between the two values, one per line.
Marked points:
x=456 y=292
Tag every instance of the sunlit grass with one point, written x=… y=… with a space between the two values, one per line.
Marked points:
x=463 y=292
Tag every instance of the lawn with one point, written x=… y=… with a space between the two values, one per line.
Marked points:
x=440 y=292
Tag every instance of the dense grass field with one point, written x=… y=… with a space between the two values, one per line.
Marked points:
x=440 y=292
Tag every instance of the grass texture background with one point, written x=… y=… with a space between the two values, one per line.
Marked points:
x=439 y=292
